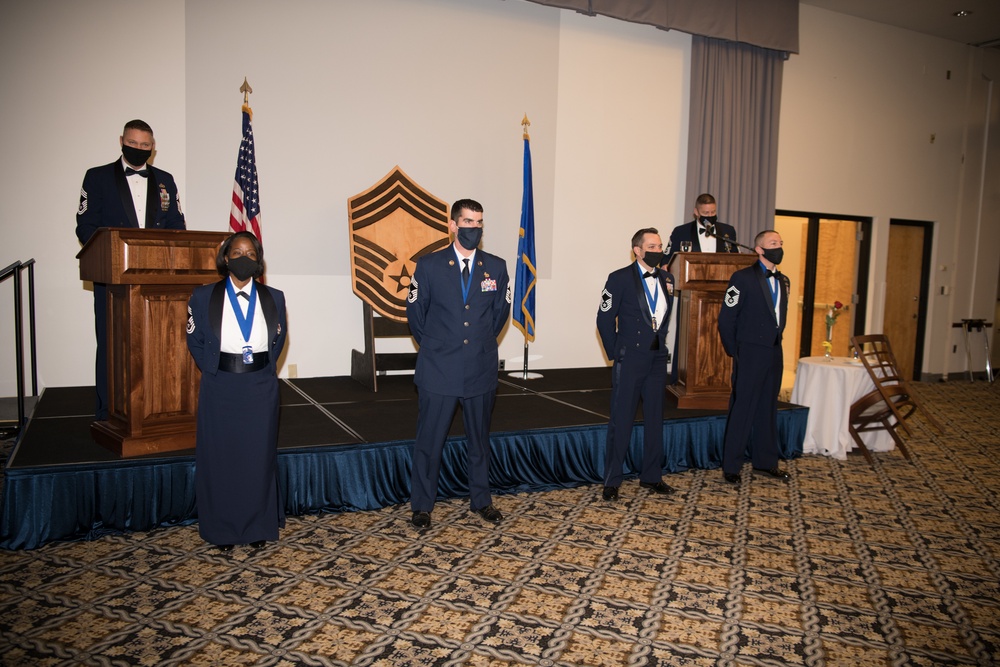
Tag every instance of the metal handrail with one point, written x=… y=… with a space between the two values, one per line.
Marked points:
x=15 y=270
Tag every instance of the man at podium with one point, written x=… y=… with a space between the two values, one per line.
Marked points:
x=125 y=193
x=703 y=234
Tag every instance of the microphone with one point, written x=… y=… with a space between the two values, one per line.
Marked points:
x=728 y=241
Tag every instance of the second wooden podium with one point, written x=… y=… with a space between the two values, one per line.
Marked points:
x=704 y=369
x=152 y=379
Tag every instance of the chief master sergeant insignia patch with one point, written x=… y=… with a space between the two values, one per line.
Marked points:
x=605 y=301
x=412 y=296
x=732 y=296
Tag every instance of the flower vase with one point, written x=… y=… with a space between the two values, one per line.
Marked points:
x=829 y=341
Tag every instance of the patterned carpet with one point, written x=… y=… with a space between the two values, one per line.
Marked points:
x=845 y=565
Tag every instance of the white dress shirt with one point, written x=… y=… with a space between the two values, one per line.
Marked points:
x=232 y=335
x=137 y=185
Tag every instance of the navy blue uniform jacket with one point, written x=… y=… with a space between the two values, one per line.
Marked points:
x=623 y=319
x=747 y=315
x=106 y=201
x=689 y=232
x=204 y=328
x=458 y=342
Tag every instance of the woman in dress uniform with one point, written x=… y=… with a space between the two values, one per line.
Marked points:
x=235 y=332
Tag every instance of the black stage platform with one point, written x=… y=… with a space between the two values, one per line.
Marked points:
x=341 y=447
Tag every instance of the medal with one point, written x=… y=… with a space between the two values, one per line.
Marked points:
x=245 y=321
x=651 y=297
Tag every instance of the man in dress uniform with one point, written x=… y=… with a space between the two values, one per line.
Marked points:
x=751 y=323
x=705 y=233
x=632 y=320
x=126 y=193
x=458 y=302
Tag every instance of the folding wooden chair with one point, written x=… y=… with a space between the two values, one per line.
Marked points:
x=892 y=402
x=872 y=412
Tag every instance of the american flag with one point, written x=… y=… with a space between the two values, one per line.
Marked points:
x=246 y=195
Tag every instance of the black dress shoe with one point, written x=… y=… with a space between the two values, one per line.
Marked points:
x=732 y=477
x=258 y=544
x=225 y=548
x=658 y=487
x=776 y=472
x=490 y=513
x=421 y=519
x=610 y=493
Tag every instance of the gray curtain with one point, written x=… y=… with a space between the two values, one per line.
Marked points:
x=733 y=132
x=771 y=24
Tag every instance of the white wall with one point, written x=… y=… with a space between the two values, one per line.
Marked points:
x=344 y=90
x=69 y=85
x=859 y=107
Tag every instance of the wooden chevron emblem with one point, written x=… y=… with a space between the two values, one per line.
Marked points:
x=392 y=224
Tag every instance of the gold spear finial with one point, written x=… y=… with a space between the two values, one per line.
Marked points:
x=246 y=90
x=525 y=124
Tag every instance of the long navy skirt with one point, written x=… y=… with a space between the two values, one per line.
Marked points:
x=236 y=458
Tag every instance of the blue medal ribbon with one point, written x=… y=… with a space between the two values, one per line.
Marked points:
x=773 y=288
x=651 y=297
x=245 y=321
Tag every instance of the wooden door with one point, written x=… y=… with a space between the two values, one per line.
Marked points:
x=906 y=294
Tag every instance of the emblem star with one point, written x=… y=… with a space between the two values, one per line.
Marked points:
x=400 y=285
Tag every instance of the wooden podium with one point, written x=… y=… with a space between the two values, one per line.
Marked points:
x=152 y=379
x=704 y=369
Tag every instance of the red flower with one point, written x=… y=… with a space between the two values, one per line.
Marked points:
x=837 y=305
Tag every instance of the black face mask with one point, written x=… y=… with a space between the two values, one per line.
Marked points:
x=135 y=156
x=652 y=259
x=774 y=255
x=709 y=219
x=469 y=237
x=243 y=268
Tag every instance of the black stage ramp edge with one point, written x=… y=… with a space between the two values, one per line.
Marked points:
x=390 y=415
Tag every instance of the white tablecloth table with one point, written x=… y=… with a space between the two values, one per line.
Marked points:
x=829 y=387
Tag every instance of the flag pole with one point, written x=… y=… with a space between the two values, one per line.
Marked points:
x=524 y=374
x=525 y=273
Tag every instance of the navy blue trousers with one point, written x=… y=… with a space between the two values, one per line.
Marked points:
x=433 y=423
x=101 y=362
x=638 y=374
x=753 y=408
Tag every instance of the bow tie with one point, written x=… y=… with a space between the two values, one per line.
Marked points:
x=141 y=172
x=648 y=274
x=769 y=274
x=703 y=230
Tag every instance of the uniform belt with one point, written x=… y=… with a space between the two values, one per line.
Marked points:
x=233 y=363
